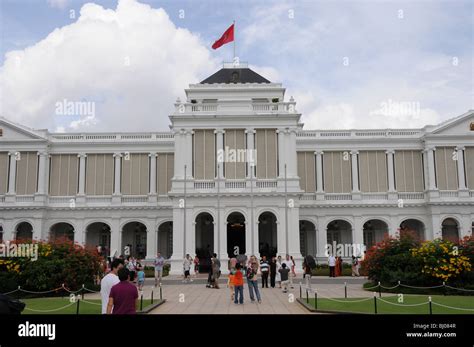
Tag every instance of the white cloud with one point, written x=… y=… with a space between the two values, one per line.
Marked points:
x=131 y=62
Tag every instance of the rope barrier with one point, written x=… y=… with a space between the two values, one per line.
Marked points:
x=453 y=308
x=43 y=292
x=462 y=289
x=415 y=287
x=91 y=303
x=52 y=310
x=403 y=305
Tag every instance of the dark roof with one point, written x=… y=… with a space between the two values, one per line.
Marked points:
x=235 y=75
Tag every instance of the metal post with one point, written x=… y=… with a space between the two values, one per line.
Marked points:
x=152 y=296
x=218 y=213
x=184 y=213
x=286 y=215
x=375 y=303
x=307 y=296
x=345 y=290
x=380 y=290
x=233 y=60
x=82 y=292
x=77 y=305
x=141 y=302
x=161 y=293
x=430 y=304
x=301 y=291
x=315 y=300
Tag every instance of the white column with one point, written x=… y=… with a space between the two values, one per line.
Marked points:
x=355 y=172
x=281 y=153
x=178 y=154
x=219 y=149
x=431 y=168
x=115 y=238
x=460 y=161
x=188 y=152
x=319 y=171
x=251 y=146
x=82 y=173
x=42 y=173
x=14 y=156
x=292 y=161
x=425 y=169
x=118 y=174
x=153 y=157
x=391 y=173
x=321 y=237
x=151 y=242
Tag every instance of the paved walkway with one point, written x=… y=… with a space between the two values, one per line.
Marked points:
x=195 y=298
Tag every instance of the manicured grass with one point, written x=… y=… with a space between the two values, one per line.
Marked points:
x=352 y=304
x=46 y=304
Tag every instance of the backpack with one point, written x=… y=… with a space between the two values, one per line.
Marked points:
x=250 y=273
x=310 y=262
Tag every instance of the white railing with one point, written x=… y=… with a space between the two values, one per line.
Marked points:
x=203 y=108
x=448 y=194
x=359 y=133
x=235 y=184
x=266 y=183
x=308 y=197
x=99 y=199
x=25 y=198
x=112 y=137
x=204 y=184
x=134 y=199
x=471 y=194
x=2 y=198
x=374 y=196
x=411 y=196
x=337 y=196
x=61 y=199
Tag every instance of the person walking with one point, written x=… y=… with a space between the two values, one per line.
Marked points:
x=289 y=265
x=123 y=296
x=159 y=264
x=278 y=275
x=187 y=268
x=338 y=270
x=355 y=266
x=307 y=272
x=196 y=266
x=216 y=271
x=332 y=266
x=238 y=285
x=273 y=272
x=252 y=279
x=109 y=280
x=284 y=272
x=264 y=270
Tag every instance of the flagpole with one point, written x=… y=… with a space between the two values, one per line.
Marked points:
x=234 y=42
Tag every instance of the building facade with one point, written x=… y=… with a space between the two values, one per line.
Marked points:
x=237 y=174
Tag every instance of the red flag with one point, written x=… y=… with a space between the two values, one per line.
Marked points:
x=227 y=36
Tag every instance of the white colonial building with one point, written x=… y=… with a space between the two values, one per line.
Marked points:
x=169 y=192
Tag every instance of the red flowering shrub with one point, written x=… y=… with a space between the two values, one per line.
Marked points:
x=59 y=262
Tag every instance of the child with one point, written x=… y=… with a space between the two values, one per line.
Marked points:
x=284 y=271
x=238 y=285
x=230 y=284
x=141 y=278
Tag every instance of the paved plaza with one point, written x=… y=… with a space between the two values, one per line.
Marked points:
x=195 y=298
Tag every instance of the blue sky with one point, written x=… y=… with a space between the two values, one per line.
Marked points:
x=340 y=59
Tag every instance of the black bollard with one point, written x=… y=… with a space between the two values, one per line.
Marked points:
x=77 y=305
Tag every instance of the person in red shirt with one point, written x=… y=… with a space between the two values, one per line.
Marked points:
x=238 y=285
x=123 y=296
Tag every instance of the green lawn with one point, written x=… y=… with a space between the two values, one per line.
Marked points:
x=351 y=305
x=90 y=307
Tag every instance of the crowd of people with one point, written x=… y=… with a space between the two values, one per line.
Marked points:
x=126 y=276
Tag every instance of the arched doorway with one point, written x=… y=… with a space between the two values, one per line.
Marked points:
x=98 y=235
x=1 y=233
x=267 y=235
x=24 y=231
x=414 y=226
x=61 y=230
x=235 y=234
x=165 y=239
x=204 y=240
x=375 y=230
x=450 y=230
x=134 y=240
x=307 y=238
x=339 y=232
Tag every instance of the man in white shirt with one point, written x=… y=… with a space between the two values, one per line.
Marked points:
x=332 y=266
x=109 y=280
x=289 y=266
